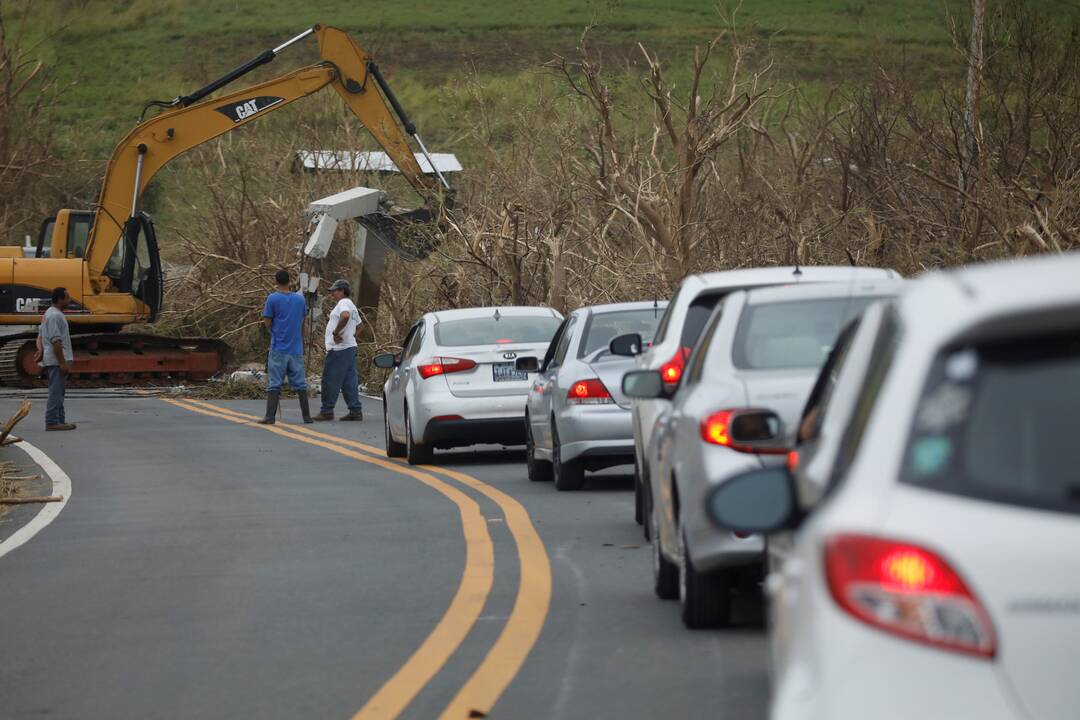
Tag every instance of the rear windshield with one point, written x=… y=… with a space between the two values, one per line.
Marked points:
x=997 y=421
x=489 y=331
x=792 y=335
x=602 y=328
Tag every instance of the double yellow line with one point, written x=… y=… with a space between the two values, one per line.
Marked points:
x=523 y=626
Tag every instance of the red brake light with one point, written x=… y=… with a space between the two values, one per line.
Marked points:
x=716 y=430
x=588 y=392
x=672 y=370
x=909 y=591
x=443 y=365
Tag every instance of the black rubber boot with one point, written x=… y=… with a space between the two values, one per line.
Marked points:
x=272 y=399
x=305 y=411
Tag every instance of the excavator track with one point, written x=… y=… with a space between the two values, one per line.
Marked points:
x=110 y=359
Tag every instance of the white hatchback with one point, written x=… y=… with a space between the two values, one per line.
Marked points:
x=681 y=326
x=925 y=533
x=454 y=382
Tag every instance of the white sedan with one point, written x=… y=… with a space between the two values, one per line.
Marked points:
x=925 y=532
x=454 y=382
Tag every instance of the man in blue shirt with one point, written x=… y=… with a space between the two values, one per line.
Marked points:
x=284 y=315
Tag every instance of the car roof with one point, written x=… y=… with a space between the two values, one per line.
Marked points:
x=959 y=299
x=749 y=277
x=620 y=307
x=504 y=311
x=813 y=291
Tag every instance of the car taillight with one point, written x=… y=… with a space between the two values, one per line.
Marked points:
x=907 y=590
x=716 y=430
x=443 y=365
x=588 y=392
x=672 y=370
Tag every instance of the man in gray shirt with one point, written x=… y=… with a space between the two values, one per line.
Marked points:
x=56 y=358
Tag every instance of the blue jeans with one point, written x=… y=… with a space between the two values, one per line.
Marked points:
x=339 y=376
x=54 y=407
x=280 y=365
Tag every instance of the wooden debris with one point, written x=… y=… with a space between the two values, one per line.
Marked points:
x=23 y=411
x=31 y=500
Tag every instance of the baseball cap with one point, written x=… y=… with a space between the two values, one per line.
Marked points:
x=340 y=285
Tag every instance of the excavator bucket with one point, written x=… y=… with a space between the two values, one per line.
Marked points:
x=411 y=234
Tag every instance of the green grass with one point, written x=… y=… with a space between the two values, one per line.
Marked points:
x=112 y=56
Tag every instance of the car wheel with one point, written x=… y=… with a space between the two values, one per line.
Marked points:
x=665 y=572
x=705 y=597
x=568 y=475
x=415 y=454
x=539 y=471
x=394 y=449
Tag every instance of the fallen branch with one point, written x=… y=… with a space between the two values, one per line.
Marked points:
x=23 y=411
x=31 y=500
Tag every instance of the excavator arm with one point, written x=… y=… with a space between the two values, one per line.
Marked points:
x=190 y=120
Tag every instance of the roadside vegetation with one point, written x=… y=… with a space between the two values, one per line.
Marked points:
x=609 y=148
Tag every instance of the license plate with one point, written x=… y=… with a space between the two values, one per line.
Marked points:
x=505 y=371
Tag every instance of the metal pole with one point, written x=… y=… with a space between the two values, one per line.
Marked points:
x=287 y=43
x=423 y=149
x=138 y=179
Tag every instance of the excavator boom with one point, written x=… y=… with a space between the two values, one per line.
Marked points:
x=189 y=121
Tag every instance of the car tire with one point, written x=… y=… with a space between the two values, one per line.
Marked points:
x=665 y=572
x=394 y=449
x=415 y=454
x=705 y=597
x=538 y=470
x=567 y=475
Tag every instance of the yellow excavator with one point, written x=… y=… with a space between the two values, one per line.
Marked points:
x=107 y=257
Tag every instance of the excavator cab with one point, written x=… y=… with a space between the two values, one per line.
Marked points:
x=65 y=234
x=135 y=265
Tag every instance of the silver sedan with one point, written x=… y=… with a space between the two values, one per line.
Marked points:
x=577 y=417
x=454 y=382
x=760 y=349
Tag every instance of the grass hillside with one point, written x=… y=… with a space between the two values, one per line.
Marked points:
x=114 y=56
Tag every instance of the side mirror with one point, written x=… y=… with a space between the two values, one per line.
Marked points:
x=628 y=345
x=527 y=364
x=385 y=361
x=758 y=502
x=756 y=430
x=644 y=385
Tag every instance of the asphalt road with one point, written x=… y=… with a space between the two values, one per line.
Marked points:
x=206 y=567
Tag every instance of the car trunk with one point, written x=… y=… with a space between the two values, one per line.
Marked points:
x=1020 y=564
x=610 y=370
x=494 y=374
x=782 y=391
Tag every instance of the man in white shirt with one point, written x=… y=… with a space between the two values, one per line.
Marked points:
x=339 y=371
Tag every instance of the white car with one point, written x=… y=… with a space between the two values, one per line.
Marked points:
x=680 y=327
x=926 y=529
x=454 y=383
x=761 y=348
